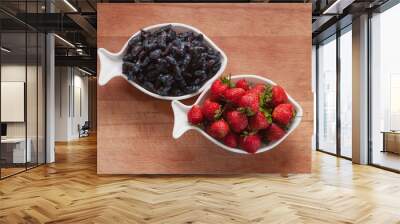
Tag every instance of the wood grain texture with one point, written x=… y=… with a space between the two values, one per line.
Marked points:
x=70 y=191
x=135 y=130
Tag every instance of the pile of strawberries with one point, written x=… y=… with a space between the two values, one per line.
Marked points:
x=243 y=115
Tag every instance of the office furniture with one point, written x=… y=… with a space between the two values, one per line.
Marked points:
x=13 y=150
x=84 y=130
x=3 y=130
x=391 y=141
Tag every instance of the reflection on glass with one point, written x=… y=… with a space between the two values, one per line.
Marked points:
x=31 y=100
x=327 y=96
x=41 y=99
x=15 y=150
x=22 y=90
x=385 y=86
x=346 y=94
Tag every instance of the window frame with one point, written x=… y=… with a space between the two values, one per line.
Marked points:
x=337 y=35
x=381 y=9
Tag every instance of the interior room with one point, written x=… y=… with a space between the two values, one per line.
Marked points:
x=384 y=88
x=120 y=111
x=22 y=104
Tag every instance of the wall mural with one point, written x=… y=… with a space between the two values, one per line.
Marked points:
x=245 y=69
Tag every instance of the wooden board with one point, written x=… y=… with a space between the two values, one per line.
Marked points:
x=135 y=130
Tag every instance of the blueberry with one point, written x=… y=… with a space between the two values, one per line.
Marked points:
x=167 y=62
x=126 y=67
x=166 y=79
x=145 y=62
x=130 y=76
x=191 y=89
x=166 y=28
x=148 y=85
x=127 y=57
x=155 y=54
x=170 y=60
x=197 y=81
x=199 y=73
x=136 y=50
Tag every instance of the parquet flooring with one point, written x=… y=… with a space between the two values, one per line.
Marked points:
x=69 y=191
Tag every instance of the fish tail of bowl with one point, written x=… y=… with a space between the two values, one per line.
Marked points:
x=110 y=66
x=298 y=117
x=181 y=124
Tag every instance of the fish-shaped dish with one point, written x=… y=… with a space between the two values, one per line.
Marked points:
x=170 y=61
x=245 y=114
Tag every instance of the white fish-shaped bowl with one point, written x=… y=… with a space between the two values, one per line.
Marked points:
x=111 y=63
x=182 y=125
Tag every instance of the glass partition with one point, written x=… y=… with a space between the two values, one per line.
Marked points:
x=14 y=153
x=22 y=77
x=346 y=93
x=32 y=97
x=326 y=110
x=385 y=89
x=41 y=111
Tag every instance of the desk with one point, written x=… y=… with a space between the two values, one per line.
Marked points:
x=391 y=141
x=15 y=148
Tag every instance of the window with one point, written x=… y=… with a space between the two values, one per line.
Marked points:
x=326 y=122
x=385 y=89
x=346 y=92
x=334 y=106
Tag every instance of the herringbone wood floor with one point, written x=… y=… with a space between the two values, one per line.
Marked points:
x=69 y=191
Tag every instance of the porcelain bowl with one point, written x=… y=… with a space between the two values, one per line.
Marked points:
x=111 y=63
x=181 y=124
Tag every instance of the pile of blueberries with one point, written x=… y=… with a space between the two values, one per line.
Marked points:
x=169 y=63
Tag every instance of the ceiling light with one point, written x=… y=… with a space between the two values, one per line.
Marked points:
x=5 y=49
x=337 y=7
x=65 y=41
x=84 y=71
x=70 y=5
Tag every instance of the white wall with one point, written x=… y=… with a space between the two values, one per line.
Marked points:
x=69 y=84
x=62 y=81
x=12 y=73
x=33 y=127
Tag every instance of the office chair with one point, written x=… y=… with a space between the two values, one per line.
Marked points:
x=84 y=130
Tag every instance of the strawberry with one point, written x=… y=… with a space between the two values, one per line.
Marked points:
x=214 y=98
x=274 y=132
x=211 y=110
x=250 y=143
x=283 y=114
x=231 y=140
x=218 y=129
x=249 y=102
x=219 y=86
x=278 y=95
x=260 y=121
x=289 y=107
x=258 y=89
x=233 y=94
x=242 y=83
x=237 y=120
x=195 y=115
